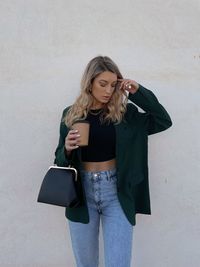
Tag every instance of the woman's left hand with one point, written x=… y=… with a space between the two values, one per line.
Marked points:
x=129 y=85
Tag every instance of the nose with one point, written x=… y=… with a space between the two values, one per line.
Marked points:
x=109 y=89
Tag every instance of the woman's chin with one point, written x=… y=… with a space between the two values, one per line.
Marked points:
x=105 y=100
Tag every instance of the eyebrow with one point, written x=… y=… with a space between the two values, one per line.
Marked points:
x=106 y=81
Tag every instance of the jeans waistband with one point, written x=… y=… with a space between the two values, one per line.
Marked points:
x=107 y=173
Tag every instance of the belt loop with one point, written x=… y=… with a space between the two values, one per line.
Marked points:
x=107 y=175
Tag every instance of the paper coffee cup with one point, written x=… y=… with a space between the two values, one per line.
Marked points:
x=83 y=126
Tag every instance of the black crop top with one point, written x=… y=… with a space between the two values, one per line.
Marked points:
x=101 y=146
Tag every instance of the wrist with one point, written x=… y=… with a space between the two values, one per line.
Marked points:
x=135 y=89
x=67 y=152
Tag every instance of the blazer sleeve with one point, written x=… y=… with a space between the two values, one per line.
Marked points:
x=156 y=115
x=61 y=158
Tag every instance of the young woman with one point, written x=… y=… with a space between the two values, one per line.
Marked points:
x=113 y=168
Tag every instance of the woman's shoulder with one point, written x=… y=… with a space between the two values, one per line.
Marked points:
x=131 y=108
x=131 y=113
x=66 y=109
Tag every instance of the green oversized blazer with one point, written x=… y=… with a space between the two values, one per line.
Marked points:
x=131 y=155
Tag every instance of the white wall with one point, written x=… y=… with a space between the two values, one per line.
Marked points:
x=45 y=46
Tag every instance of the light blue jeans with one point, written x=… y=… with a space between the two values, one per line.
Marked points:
x=101 y=195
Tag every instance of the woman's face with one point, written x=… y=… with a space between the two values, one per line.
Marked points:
x=103 y=87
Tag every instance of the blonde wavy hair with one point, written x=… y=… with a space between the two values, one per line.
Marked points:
x=112 y=111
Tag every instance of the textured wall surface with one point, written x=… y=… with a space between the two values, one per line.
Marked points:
x=44 y=48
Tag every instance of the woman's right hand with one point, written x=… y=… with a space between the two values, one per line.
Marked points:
x=71 y=140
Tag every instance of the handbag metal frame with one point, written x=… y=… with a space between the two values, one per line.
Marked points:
x=65 y=168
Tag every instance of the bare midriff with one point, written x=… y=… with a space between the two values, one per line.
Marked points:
x=99 y=166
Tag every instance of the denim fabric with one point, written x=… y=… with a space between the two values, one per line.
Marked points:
x=101 y=195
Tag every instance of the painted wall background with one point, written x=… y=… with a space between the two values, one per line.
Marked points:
x=44 y=48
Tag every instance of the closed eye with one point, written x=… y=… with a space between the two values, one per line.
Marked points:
x=103 y=85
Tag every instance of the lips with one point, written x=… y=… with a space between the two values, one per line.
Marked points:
x=107 y=97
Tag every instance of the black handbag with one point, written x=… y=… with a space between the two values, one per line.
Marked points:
x=60 y=187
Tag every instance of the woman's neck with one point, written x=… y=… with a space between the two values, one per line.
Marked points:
x=97 y=107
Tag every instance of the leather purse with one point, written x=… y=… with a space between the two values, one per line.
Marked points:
x=60 y=187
